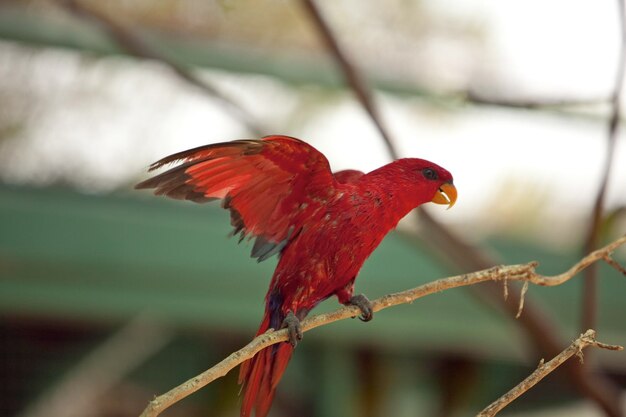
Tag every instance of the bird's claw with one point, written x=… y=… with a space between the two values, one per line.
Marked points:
x=292 y=324
x=365 y=305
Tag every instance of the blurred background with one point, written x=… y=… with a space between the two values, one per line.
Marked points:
x=109 y=296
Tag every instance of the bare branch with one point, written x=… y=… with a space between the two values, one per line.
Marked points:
x=544 y=369
x=134 y=45
x=523 y=272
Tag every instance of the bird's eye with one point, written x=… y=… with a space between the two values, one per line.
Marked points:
x=429 y=174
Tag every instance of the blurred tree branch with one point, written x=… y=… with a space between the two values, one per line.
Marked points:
x=590 y=285
x=530 y=103
x=464 y=256
x=135 y=46
x=352 y=76
x=523 y=272
x=544 y=369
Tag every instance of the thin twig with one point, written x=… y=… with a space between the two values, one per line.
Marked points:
x=134 y=45
x=544 y=369
x=590 y=285
x=522 y=272
x=521 y=300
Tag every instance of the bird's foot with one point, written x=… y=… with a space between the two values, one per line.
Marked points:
x=365 y=305
x=292 y=324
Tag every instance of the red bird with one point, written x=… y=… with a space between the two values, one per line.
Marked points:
x=323 y=226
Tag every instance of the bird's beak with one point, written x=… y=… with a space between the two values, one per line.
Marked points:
x=446 y=194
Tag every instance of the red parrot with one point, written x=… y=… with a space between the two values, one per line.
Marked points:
x=323 y=226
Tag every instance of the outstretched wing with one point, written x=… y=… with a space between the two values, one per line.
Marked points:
x=271 y=186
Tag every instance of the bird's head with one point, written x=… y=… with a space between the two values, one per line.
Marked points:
x=425 y=181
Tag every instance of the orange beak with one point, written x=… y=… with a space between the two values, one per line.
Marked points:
x=446 y=194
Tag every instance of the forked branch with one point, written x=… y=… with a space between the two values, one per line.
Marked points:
x=522 y=272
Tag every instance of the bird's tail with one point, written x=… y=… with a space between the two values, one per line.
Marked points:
x=260 y=375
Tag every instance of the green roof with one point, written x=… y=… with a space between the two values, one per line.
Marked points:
x=66 y=255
